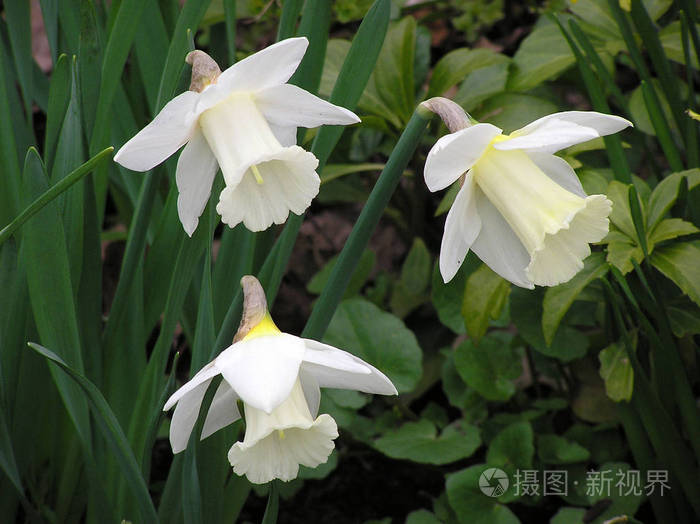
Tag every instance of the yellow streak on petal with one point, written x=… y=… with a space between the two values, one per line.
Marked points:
x=281 y=433
x=256 y=174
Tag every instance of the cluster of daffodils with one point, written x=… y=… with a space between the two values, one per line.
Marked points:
x=277 y=376
x=520 y=208
x=243 y=121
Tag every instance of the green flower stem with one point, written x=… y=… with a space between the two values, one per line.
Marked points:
x=55 y=190
x=663 y=131
x=613 y=144
x=643 y=457
x=230 y=20
x=369 y=218
x=658 y=424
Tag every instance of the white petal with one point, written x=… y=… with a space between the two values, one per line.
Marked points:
x=206 y=373
x=262 y=370
x=335 y=368
x=196 y=169
x=290 y=183
x=498 y=246
x=289 y=105
x=278 y=458
x=287 y=135
x=223 y=410
x=558 y=170
x=562 y=253
x=168 y=131
x=554 y=132
x=185 y=416
x=454 y=154
x=271 y=66
x=461 y=229
x=311 y=389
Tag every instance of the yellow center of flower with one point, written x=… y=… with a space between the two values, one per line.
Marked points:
x=264 y=328
x=256 y=174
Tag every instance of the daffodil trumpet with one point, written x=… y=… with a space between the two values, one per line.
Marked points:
x=277 y=377
x=244 y=121
x=520 y=208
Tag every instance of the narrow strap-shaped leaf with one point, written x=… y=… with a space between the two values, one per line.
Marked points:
x=7 y=456
x=115 y=54
x=355 y=73
x=52 y=193
x=288 y=20
x=691 y=125
x=230 y=21
x=613 y=144
x=662 y=66
x=663 y=131
x=89 y=61
x=50 y=293
x=19 y=27
x=110 y=429
x=151 y=46
x=10 y=173
x=59 y=97
x=638 y=219
x=273 y=504
x=600 y=68
x=364 y=227
x=315 y=23
x=49 y=14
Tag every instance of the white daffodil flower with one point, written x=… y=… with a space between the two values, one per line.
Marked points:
x=243 y=120
x=521 y=209
x=277 y=376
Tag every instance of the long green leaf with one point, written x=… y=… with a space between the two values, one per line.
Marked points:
x=111 y=430
x=19 y=27
x=10 y=174
x=663 y=131
x=290 y=14
x=59 y=97
x=52 y=193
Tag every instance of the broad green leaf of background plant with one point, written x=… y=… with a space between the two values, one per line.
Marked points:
x=491 y=367
x=679 y=262
x=380 y=338
x=542 y=55
x=512 y=448
x=470 y=504
x=454 y=67
x=511 y=111
x=558 y=299
x=616 y=370
x=411 y=290
x=422 y=516
x=669 y=229
x=484 y=298
x=447 y=298
x=483 y=83
x=554 y=449
x=390 y=91
x=419 y=442
x=671 y=42
x=665 y=194
x=526 y=312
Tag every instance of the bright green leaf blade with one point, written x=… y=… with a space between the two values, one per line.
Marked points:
x=671 y=228
x=111 y=430
x=484 y=298
x=454 y=67
x=679 y=262
x=419 y=442
x=558 y=299
x=380 y=338
x=513 y=447
x=616 y=370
